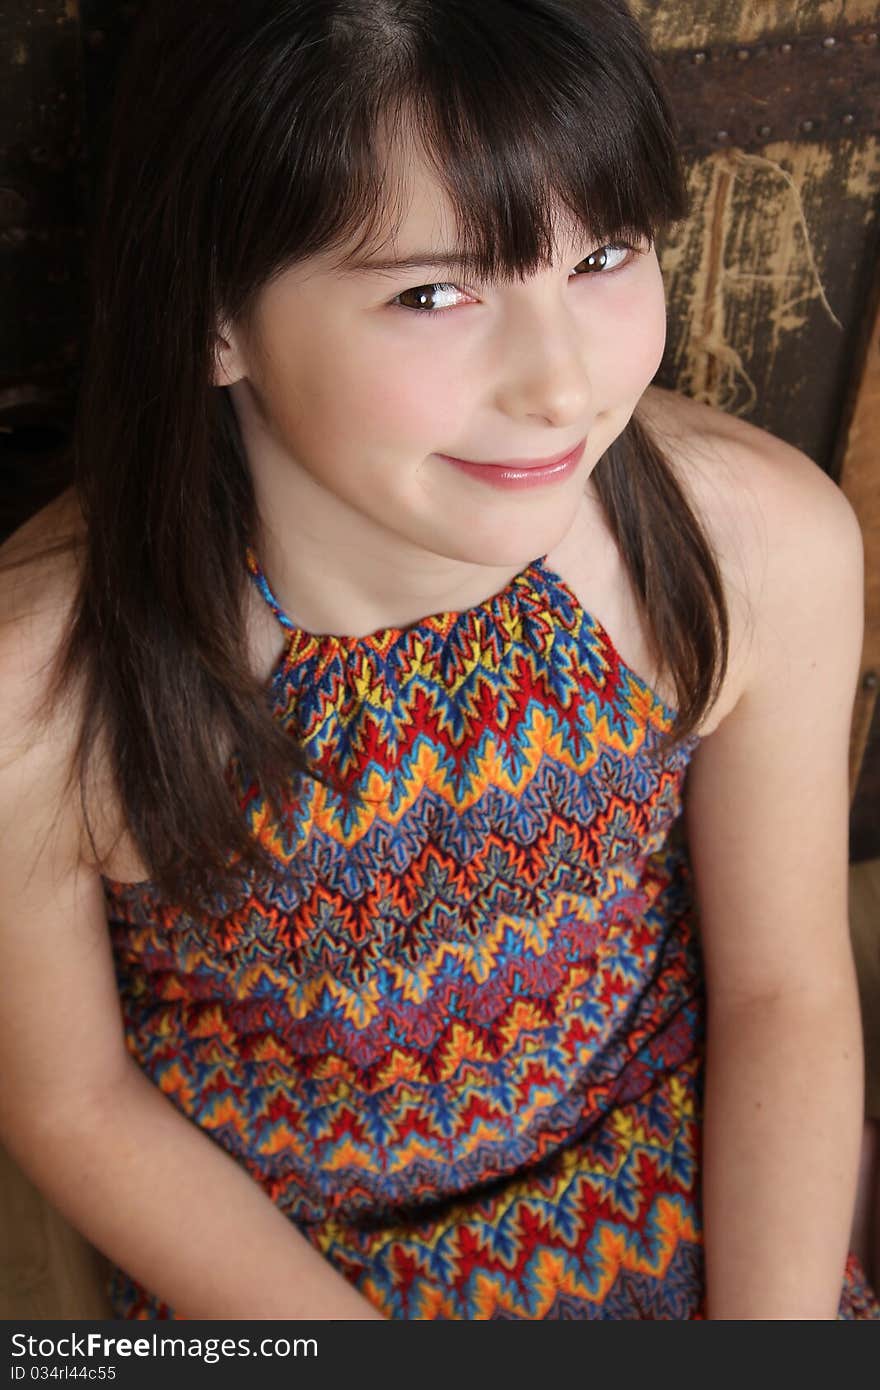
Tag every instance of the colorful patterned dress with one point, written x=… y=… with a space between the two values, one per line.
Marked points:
x=457 y=1034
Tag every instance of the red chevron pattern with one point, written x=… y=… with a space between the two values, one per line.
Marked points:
x=457 y=1034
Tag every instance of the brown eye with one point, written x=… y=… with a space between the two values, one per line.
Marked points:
x=607 y=258
x=430 y=298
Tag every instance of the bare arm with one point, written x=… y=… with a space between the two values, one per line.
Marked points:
x=165 y=1202
x=114 y=1155
x=767 y=811
x=783 y=1121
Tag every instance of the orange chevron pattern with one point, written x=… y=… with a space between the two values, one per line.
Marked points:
x=457 y=1034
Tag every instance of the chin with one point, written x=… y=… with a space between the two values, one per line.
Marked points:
x=517 y=546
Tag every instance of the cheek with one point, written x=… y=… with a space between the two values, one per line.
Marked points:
x=633 y=334
x=373 y=369
x=392 y=395
x=654 y=319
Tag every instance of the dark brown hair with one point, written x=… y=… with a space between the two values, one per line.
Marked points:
x=244 y=138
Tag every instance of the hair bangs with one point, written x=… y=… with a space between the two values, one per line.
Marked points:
x=542 y=121
x=585 y=145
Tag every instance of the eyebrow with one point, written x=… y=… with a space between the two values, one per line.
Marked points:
x=419 y=260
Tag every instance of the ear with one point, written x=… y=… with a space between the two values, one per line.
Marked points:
x=229 y=364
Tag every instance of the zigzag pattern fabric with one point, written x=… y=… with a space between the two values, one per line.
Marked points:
x=457 y=1036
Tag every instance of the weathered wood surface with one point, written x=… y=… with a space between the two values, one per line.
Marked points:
x=864 y=824
x=674 y=24
x=41 y=214
x=860 y=480
x=823 y=86
x=766 y=281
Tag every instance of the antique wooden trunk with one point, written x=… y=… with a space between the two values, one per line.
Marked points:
x=772 y=282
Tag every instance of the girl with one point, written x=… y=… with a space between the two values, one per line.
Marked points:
x=359 y=886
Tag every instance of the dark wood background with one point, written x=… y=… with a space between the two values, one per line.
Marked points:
x=772 y=282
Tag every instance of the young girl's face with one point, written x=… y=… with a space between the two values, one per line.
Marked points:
x=355 y=385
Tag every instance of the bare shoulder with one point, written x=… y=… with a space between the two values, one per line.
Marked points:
x=769 y=511
x=753 y=475
x=61 y=1037
x=40 y=562
x=39 y=577
x=40 y=572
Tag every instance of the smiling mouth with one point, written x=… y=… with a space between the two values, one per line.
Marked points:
x=518 y=465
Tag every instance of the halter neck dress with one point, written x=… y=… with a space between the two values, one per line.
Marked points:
x=457 y=1034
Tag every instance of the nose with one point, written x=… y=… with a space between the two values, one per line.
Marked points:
x=543 y=372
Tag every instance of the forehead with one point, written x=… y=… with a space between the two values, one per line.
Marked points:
x=414 y=220
x=414 y=209
x=416 y=213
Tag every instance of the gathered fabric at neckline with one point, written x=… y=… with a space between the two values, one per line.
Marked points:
x=531 y=605
x=380 y=636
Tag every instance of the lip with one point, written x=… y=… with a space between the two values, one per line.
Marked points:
x=521 y=473
x=516 y=465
